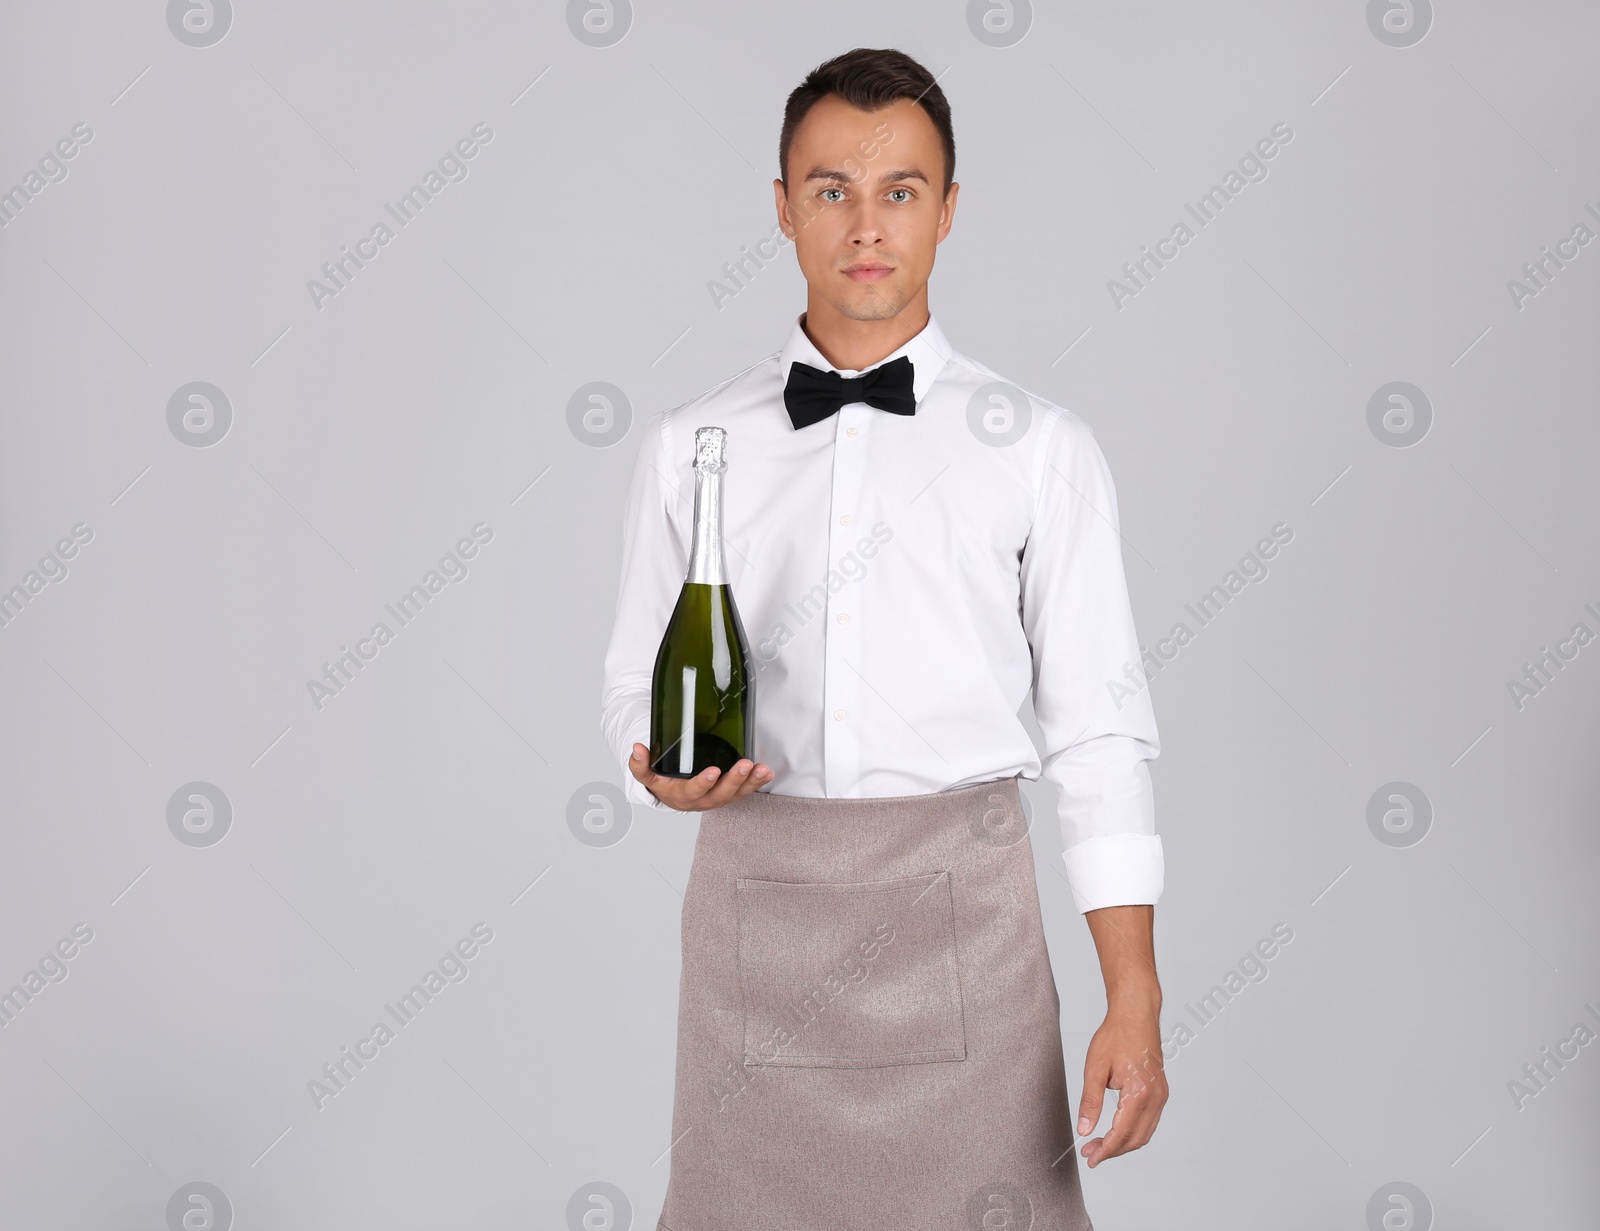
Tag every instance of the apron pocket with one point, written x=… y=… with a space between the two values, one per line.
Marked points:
x=849 y=975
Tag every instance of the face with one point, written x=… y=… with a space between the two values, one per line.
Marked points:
x=865 y=212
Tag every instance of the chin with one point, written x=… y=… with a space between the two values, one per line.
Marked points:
x=873 y=309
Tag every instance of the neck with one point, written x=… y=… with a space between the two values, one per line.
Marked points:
x=853 y=345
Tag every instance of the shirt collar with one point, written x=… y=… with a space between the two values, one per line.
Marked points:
x=928 y=351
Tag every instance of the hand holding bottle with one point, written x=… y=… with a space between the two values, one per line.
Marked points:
x=706 y=790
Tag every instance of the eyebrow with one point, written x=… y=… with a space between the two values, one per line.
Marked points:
x=888 y=177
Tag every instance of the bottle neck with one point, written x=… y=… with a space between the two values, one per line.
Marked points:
x=707 y=565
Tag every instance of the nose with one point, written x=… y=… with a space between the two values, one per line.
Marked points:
x=866 y=226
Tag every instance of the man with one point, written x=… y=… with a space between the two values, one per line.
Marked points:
x=868 y=1030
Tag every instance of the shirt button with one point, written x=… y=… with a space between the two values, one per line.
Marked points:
x=846 y=520
x=838 y=713
x=852 y=431
x=843 y=617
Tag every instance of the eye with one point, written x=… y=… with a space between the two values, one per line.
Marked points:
x=907 y=191
x=826 y=191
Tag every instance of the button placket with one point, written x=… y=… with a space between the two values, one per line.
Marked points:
x=841 y=685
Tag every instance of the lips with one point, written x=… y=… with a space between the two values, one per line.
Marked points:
x=871 y=272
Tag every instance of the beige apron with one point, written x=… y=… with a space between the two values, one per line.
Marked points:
x=868 y=1027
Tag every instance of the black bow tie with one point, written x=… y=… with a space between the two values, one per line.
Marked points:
x=812 y=394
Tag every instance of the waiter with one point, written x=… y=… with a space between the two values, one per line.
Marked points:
x=868 y=1030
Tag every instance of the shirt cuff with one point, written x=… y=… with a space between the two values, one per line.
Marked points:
x=1115 y=870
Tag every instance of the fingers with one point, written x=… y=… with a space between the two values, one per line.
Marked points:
x=756 y=777
x=1094 y=1095
x=711 y=788
x=684 y=794
x=1132 y=1125
x=1116 y=1139
x=744 y=777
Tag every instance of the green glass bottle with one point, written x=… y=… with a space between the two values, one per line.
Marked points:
x=702 y=694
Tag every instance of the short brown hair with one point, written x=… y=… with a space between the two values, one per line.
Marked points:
x=869 y=78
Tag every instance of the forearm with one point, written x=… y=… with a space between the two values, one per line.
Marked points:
x=1124 y=938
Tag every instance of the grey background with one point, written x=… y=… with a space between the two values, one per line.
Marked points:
x=433 y=393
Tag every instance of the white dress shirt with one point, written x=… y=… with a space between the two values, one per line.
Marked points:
x=902 y=581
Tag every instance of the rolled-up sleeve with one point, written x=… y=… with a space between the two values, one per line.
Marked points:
x=653 y=568
x=1089 y=693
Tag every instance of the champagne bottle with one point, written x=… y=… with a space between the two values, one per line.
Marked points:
x=702 y=695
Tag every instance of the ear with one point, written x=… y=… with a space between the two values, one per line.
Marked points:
x=780 y=200
x=947 y=215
